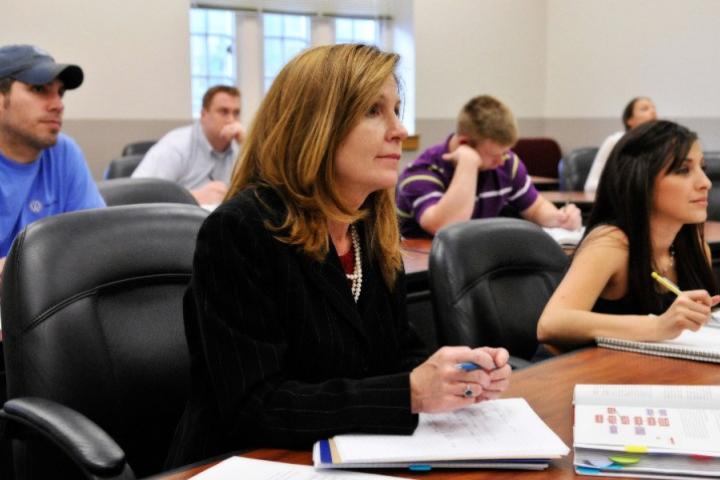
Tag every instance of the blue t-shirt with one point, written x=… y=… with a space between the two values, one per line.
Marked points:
x=58 y=181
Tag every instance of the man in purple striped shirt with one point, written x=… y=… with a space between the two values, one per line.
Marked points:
x=474 y=174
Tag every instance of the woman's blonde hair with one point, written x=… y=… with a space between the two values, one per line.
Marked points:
x=312 y=105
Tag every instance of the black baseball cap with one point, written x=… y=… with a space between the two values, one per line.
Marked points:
x=31 y=65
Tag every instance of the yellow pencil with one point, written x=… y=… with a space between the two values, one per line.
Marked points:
x=666 y=283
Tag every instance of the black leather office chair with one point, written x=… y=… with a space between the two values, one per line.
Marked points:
x=576 y=167
x=712 y=170
x=138 y=148
x=96 y=357
x=123 y=166
x=490 y=280
x=129 y=191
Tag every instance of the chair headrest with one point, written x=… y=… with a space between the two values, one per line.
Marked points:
x=493 y=244
x=60 y=257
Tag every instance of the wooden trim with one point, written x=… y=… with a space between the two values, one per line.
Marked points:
x=411 y=143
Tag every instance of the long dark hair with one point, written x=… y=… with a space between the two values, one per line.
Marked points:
x=625 y=199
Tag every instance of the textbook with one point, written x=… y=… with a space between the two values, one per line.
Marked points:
x=703 y=345
x=504 y=433
x=647 y=431
x=566 y=238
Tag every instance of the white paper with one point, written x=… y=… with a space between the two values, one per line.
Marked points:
x=235 y=468
x=497 y=429
x=564 y=236
x=688 y=396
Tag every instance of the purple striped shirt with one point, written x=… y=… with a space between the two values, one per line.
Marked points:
x=424 y=181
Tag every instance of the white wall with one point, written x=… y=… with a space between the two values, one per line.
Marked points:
x=135 y=53
x=600 y=54
x=468 y=47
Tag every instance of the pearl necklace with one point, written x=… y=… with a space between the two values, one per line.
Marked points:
x=355 y=277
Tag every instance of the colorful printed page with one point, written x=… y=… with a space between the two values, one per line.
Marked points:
x=654 y=418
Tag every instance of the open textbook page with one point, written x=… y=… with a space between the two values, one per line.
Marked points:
x=648 y=418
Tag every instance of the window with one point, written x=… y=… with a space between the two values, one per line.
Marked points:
x=212 y=47
x=284 y=37
x=357 y=30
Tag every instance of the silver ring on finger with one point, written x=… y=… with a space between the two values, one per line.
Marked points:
x=468 y=391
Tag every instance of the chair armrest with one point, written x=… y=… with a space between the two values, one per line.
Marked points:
x=80 y=438
x=516 y=363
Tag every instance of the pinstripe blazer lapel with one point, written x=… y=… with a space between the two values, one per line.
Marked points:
x=330 y=280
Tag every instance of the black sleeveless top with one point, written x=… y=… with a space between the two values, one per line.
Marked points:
x=625 y=306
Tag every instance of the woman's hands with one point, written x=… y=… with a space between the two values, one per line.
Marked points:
x=440 y=385
x=690 y=310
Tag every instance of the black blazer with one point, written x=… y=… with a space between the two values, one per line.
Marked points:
x=281 y=355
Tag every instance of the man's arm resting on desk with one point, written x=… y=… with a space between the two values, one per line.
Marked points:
x=545 y=214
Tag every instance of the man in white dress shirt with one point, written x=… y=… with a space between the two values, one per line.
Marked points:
x=200 y=157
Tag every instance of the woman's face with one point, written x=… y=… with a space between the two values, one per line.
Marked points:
x=367 y=159
x=682 y=195
x=643 y=111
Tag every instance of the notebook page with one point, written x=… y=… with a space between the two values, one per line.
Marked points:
x=506 y=428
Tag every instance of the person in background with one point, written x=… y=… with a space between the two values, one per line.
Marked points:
x=295 y=315
x=200 y=157
x=648 y=216
x=637 y=112
x=474 y=174
x=42 y=171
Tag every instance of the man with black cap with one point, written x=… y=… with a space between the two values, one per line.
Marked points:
x=42 y=171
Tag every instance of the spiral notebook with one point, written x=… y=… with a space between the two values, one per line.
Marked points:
x=703 y=345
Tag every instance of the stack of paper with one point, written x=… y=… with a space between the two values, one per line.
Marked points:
x=647 y=431
x=495 y=434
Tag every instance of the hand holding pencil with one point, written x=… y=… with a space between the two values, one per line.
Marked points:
x=689 y=311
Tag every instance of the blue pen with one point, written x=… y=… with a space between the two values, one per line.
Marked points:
x=468 y=366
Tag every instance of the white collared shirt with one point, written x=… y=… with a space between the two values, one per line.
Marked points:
x=185 y=156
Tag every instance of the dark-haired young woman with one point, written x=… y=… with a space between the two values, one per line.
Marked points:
x=648 y=216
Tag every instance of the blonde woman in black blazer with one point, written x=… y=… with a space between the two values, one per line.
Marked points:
x=295 y=315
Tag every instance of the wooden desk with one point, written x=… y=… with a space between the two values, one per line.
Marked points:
x=560 y=197
x=545 y=183
x=548 y=387
x=416 y=255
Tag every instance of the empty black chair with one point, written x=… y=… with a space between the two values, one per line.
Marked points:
x=490 y=280
x=96 y=358
x=123 y=166
x=129 y=191
x=138 y=148
x=576 y=167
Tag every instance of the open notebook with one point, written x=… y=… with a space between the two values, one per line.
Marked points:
x=703 y=345
x=503 y=433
